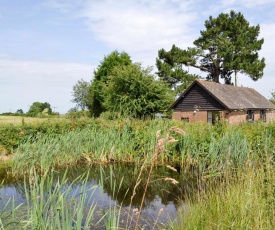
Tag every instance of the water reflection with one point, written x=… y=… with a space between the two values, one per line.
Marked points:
x=117 y=187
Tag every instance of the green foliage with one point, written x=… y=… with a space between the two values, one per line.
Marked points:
x=209 y=148
x=132 y=90
x=228 y=45
x=52 y=204
x=120 y=87
x=39 y=109
x=101 y=76
x=78 y=114
x=80 y=94
x=14 y=135
x=170 y=69
x=19 y=111
x=243 y=199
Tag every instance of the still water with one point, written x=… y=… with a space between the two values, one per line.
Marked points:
x=162 y=200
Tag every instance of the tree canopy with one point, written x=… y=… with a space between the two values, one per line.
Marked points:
x=38 y=108
x=133 y=90
x=19 y=111
x=227 y=45
x=80 y=94
x=101 y=75
x=121 y=86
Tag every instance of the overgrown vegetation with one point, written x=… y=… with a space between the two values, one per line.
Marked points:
x=242 y=198
x=233 y=165
x=101 y=140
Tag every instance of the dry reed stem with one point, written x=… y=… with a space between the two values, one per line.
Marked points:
x=171 y=179
x=159 y=149
x=177 y=130
x=134 y=193
x=156 y=221
x=172 y=168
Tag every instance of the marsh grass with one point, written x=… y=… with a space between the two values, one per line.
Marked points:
x=51 y=205
x=98 y=140
x=242 y=201
x=93 y=144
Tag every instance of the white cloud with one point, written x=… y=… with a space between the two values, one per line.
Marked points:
x=24 y=82
x=141 y=26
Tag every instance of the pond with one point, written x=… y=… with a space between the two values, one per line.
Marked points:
x=115 y=185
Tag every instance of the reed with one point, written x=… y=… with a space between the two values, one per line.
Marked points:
x=204 y=147
x=51 y=204
x=242 y=201
x=89 y=145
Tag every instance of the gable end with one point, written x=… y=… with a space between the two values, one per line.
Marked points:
x=197 y=98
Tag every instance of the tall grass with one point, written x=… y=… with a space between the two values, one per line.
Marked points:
x=204 y=147
x=93 y=144
x=52 y=205
x=245 y=200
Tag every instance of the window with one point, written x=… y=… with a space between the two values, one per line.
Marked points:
x=210 y=117
x=263 y=114
x=250 y=115
x=214 y=117
x=185 y=119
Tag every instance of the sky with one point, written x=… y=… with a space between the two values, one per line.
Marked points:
x=46 y=46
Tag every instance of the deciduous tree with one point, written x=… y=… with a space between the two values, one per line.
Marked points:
x=133 y=90
x=81 y=94
x=101 y=75
x=38 y=107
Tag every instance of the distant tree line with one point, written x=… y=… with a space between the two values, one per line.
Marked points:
x=37 y=109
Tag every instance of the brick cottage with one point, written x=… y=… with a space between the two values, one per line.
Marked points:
x=205 y=101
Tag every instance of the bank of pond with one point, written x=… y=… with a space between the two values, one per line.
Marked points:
x=130 y=174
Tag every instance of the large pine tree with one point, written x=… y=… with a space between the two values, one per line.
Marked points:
x=228 y=45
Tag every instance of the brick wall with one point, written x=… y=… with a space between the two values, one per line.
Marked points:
x=199 y=116
x=257 y=115
x=270 y=116
x=235 y=117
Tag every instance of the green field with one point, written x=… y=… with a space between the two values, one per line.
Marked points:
x=18 y=120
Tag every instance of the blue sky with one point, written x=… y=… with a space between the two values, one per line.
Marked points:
x=46 y=46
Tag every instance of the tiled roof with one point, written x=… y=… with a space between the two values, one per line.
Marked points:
x=234 y=97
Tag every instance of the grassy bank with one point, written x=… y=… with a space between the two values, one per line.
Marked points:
x=26 y=129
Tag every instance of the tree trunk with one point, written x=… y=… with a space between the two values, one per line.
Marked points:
x=216 y=74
